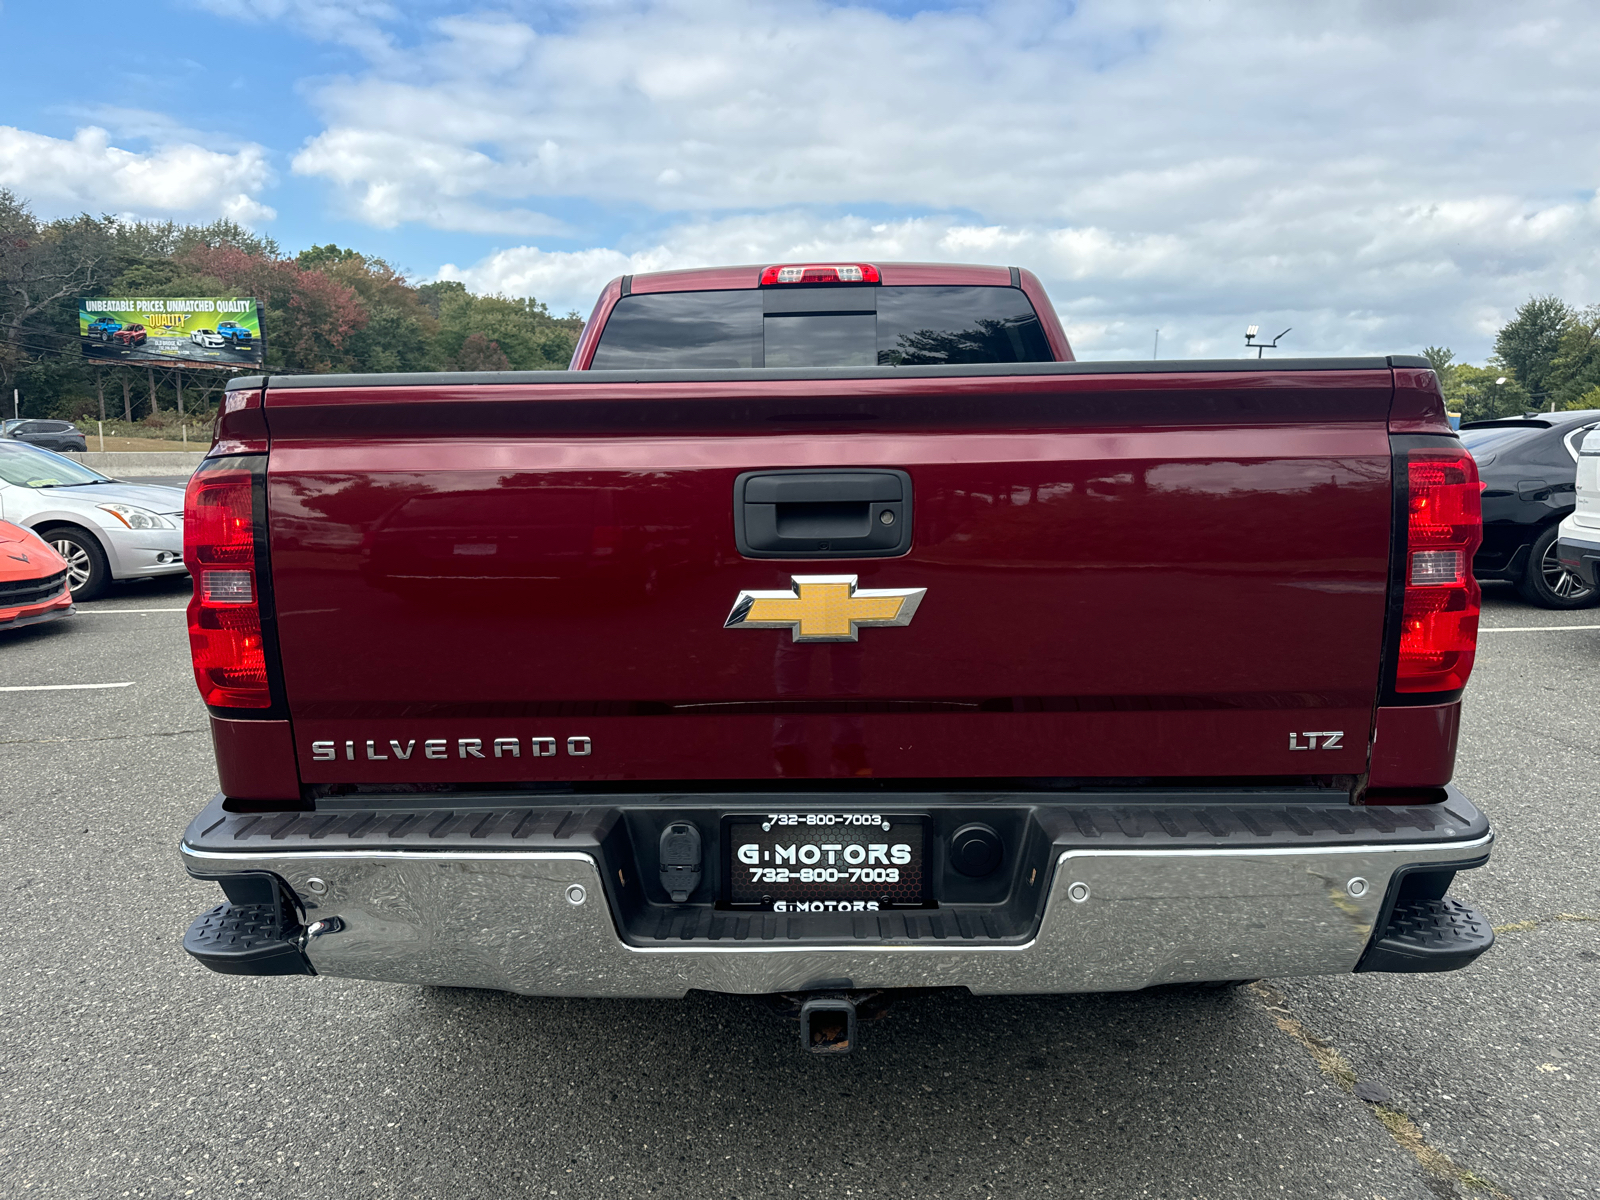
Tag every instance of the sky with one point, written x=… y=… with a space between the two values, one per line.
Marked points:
x=1376 y=176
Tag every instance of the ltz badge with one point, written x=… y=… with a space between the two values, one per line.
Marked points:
x=825 y=608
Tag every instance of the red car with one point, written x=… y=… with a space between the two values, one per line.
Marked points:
x=33 y=579
x=130 y=335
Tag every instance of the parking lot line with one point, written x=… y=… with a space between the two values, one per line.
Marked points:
x=95 y=612
x=64 y=687
x=1530 y=628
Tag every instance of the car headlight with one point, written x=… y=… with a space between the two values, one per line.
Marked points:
x=137 y=518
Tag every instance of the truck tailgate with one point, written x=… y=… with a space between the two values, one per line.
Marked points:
x=1128 y=576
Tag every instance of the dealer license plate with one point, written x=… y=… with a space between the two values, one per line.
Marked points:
x=825 y=862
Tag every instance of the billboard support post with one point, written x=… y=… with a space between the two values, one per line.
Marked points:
x=127 y=399
x=100 y=394
x=177 y=374
x=150 y=375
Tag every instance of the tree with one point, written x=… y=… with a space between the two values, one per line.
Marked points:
x=321 y=257
x=1441 y=359
x=478 y=353
x=529 y=337
x=328 y=308
x=1529 y=343
x=1576 y=369
x=43 y=269
x=399 y=334
x=1484 y=393
x=309 y=315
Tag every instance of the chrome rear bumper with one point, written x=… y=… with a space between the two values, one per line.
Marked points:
x=538 y=922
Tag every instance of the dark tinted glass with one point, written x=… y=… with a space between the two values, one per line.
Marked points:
x=682 y=329
x=1497 y=438
x=913 y=326
x=929 y=326
x=821 y=340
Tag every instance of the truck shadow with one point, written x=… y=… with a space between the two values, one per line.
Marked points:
x=948 y=1093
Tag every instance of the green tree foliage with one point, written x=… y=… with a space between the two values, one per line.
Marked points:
x=44 y=267
x=478 y=353
x=1575 y=373
x=328 y=308
x=529 y=337
x=1442 y=359
x=1484 y=393
x=398 y=334
x=1530 y=342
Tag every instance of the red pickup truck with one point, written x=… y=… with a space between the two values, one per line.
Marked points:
x=828 y=629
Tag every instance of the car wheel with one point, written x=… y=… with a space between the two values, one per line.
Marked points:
x=1547 y=583
x=87 y=572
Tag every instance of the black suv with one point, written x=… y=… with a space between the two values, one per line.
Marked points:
x=47 y=435
x=1529 y=466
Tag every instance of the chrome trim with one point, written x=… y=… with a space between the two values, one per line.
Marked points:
x=506 y=921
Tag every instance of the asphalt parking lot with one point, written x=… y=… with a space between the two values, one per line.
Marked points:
x=128 y=1070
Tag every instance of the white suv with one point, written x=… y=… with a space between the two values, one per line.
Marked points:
x=1578 y=544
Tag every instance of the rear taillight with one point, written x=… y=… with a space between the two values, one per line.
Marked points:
x=820 y=273
x=219 y=546
x=1439 y=618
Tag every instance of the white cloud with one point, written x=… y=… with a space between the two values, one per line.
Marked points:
x=355 y=23
x=1367 y=170
x=1379 y=280
x=442 y=177
x=180 y=179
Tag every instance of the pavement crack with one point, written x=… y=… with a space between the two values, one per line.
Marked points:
x=1445 y=1175
x=114 y=737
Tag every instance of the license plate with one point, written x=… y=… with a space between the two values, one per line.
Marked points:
x=825 y=862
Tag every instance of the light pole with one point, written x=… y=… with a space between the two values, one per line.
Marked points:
x=1253 y=332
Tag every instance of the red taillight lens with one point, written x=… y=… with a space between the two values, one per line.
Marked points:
x=821 y=273
x=230 y=662
x=1444 y=524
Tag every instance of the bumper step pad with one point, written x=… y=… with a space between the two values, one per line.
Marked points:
x=1429 y=935
x=249 y=939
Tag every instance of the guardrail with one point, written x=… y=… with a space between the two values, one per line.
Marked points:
x=127 y=464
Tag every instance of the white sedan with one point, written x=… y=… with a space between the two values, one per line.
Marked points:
x=104 y=528
x=209 y=338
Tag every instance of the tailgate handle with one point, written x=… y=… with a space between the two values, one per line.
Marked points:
x=822 y=513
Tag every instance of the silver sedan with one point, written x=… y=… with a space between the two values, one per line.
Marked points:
x=106 y=529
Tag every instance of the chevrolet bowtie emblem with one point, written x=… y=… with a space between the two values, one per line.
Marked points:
x=825 y=608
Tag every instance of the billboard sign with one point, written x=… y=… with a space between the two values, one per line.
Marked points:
x=219 y=331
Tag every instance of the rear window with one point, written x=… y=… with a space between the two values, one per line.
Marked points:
x=1496 y=438
x=799 y=328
